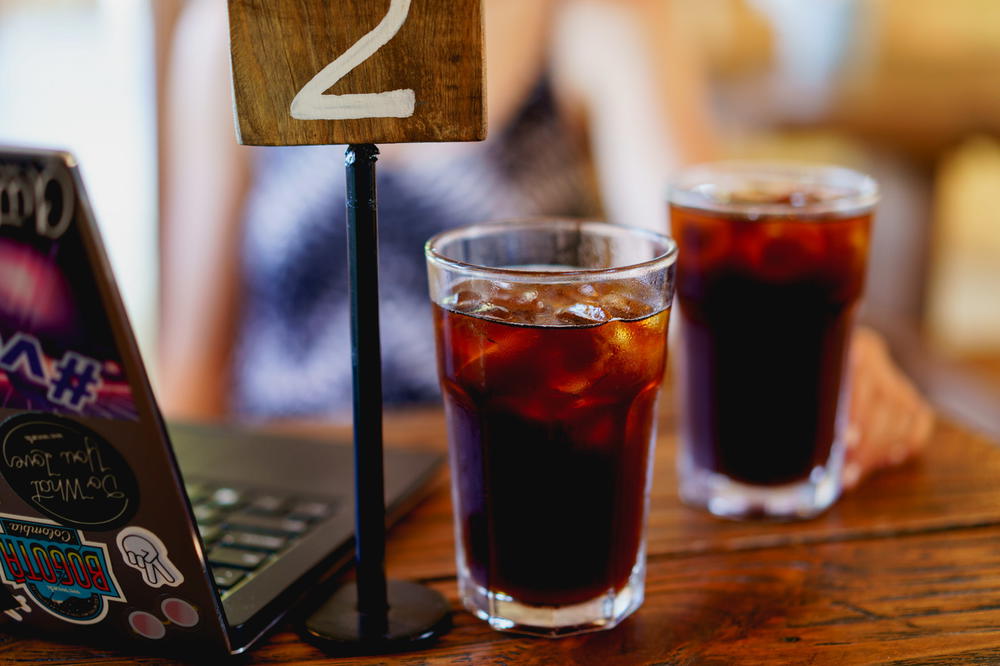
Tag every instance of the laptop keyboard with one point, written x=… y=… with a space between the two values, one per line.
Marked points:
x=245 y=530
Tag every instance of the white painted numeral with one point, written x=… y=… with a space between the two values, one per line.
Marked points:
x=312 y=104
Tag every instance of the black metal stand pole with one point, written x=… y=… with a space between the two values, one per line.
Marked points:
x=366 y=362
x=376 y=615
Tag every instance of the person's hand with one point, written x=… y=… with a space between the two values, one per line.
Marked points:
x=888 y=421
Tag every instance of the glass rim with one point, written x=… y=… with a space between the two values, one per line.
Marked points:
x=662 y=260
x=859 y=192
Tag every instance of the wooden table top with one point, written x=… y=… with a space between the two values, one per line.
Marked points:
x=904 y=570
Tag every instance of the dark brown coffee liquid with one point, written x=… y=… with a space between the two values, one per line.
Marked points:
x=551 y=430
x=767 y=309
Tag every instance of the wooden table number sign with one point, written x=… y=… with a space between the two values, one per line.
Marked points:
x=357 y=71
x=361 y=72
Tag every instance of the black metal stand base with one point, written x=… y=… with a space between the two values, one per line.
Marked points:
x=417 y=616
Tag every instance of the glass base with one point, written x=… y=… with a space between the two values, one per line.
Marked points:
x=727 y=498
x=506 y=614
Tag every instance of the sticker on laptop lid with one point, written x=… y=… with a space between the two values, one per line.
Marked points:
x=66 y=575
x=57 y=348
x=145 y=552
x=67 y=472
x=14 y=605
x=180 y=612
x=147 y=625
x=176 y=612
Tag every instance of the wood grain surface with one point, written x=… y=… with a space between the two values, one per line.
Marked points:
x=905 y=570
x=278 y=46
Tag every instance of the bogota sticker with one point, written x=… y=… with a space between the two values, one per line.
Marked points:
x=67 y=471
x=66 y=575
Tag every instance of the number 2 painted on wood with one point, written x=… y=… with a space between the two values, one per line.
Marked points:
x=311 y=103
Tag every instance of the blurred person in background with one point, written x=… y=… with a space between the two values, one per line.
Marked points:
x=592 y=104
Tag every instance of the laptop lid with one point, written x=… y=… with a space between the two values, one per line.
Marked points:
x=97 y=539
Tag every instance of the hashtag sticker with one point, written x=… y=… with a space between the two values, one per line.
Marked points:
x=76 y=381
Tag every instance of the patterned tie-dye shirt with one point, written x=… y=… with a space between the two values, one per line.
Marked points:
x=293 y=354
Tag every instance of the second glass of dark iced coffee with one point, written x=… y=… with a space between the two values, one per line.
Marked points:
x=771 y=269
x=551 y=342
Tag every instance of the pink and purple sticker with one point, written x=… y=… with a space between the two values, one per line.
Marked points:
x=147 y=625
x=180 y=612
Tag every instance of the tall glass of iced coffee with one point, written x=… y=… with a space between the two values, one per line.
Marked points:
x=770 y=273
x=551 y=340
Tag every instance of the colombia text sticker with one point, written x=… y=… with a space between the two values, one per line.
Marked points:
x=67 y=576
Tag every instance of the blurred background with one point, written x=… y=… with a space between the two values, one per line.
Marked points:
x=908 y=90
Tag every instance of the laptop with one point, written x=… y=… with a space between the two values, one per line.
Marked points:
x=114 y=526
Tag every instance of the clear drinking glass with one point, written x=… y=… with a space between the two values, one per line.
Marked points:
x=771 y=269
x=551 y=340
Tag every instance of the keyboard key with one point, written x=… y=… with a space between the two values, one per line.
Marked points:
x=227 y=497
x=206 y=514
x=268 y=542
x=225 y=578
x=267 y=504
x=209 y=533
x=269 y=524
x=235 y=557
x=310 y=510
